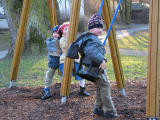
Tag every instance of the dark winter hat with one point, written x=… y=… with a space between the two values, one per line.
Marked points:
x=95 y=21
x=55 y=28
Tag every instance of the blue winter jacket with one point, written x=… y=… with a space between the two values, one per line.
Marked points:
x=90 y=48
x=53 y=47
x=54 y=52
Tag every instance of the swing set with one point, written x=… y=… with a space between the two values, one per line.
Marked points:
x=152 y=105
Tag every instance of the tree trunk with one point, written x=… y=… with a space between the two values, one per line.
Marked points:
x=125 y=11
x=128 y=11
x=38 y=23
x=12 y=29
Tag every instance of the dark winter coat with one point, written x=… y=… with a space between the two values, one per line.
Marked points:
x=90 y=48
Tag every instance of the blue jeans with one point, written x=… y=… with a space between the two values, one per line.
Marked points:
x=53 y=62
x=61 y=66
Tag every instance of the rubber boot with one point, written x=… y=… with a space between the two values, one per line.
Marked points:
x=46 y=93
x=110 y=114
x=98 y=111
x=83 y=92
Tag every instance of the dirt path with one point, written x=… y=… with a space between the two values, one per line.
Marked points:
x=133 y=28
x=3 y=54
x=130 y=52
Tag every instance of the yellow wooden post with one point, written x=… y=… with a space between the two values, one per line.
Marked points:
x=52 y=13
x=107 y=14
x=68 y=64
x=20 y=39
x=152 y=104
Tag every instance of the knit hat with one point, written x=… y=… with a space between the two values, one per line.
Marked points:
x=61 y=28
x=55 y=28
x=95 y=21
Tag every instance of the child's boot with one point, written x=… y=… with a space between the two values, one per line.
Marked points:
x=98 y=111
x=46 y=93
x=83 y=91
x=110 y=114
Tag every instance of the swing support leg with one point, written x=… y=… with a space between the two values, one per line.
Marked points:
x=123 y=92
x=19 y=42
x=114 y=50
x=63 y=99
x=68 y=64
x=150 y=118
x=11 y=83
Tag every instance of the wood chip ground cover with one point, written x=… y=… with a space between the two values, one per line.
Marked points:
x=24 y=103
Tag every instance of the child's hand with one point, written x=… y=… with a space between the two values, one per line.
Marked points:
x=105 y=48
x=103 y=65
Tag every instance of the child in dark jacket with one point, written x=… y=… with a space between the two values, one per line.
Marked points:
x=54 y=52
x=89 y=45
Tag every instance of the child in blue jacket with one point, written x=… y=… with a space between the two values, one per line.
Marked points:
x=54 y=52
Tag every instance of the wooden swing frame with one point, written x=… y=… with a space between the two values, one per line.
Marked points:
x=152 y=105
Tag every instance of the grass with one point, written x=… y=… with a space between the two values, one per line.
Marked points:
x=4 y=40
x=33 y=68
x=133 y=67
x=138 y=41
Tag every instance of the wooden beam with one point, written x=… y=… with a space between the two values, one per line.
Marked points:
x=52 y=13
x=152 y=104
x=20 y=39
x=68 y=64
x=107 y=14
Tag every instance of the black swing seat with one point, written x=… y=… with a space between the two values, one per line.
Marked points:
x=88 y=75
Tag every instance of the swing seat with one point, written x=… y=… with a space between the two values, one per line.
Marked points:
x=88 y=75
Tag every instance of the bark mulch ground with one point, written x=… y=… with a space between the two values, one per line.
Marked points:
x=24 y=103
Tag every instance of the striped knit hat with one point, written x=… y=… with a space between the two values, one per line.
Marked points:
x=61 y=28
x=95 y=21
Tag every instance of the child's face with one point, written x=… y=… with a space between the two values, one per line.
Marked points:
x=55 y=34
x=65 y=31
x=97 y=31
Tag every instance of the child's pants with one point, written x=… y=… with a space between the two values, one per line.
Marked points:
x=103 y=92
x=81 y=80
x=61 y=67
x=49 y=76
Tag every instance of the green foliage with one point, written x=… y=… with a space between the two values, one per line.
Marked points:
x=14 y=8
x=4 y=72
x=33 y=68
x=38 y=21
x=36 y=38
